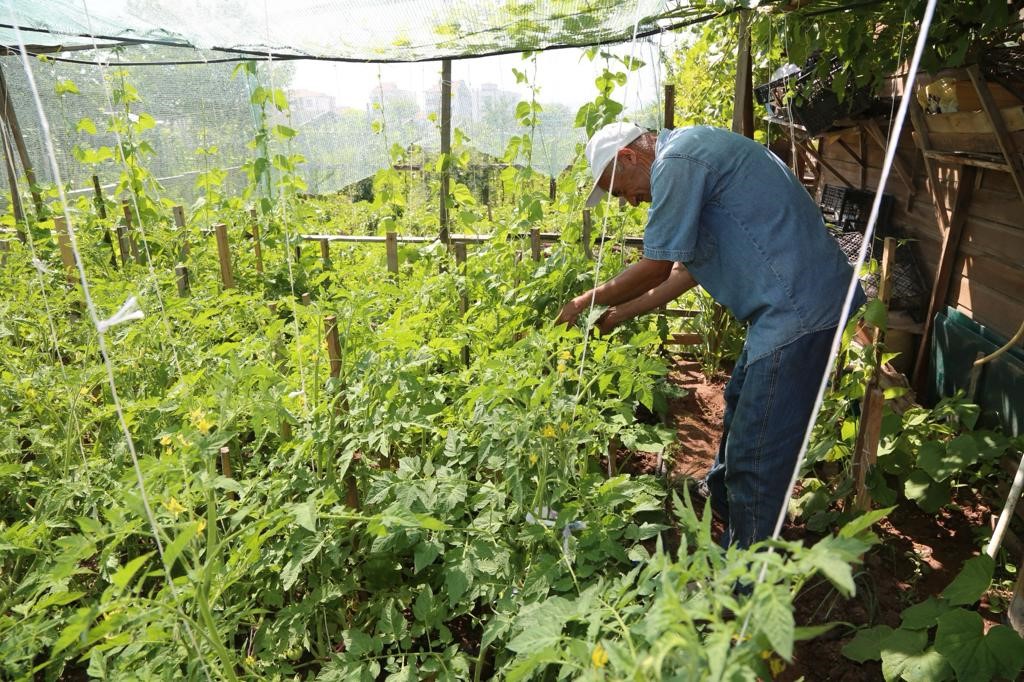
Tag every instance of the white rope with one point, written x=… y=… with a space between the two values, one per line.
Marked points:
x=890 y=155
x=604 y=230
x=102 y=66
x=86 y=292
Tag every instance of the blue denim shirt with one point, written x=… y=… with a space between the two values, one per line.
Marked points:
x=748 y=232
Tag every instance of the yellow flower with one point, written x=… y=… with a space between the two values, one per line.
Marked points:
x=201 y=526
x=200 y=421
x=250 y=661
x=165 y=441
x=184 y=443
x=565 y=426
x=565 y=355
x=174 y=506
x=599 y=657
x=533 y=459
x=561 y=367
x=548 y=431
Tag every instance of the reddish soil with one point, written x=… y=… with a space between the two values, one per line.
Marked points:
x=919 y=554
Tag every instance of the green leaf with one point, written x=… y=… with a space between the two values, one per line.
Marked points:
x=923 y=616
x=961 y=639
x=177 y=545
x=929 y=495
x=930 y=666
x=900 y=650
x=867 y=644
x=425 y=554
x=305 y=514
x=944 y=460
x=875 y=313
x=972 y=581
x=123 y=575
x=864 y=522
x=455 y=583
x=774 y=618
x=357 y=642
x=283 y=132
x=540 y=625
x=65 y=86
x=86 y=125
x=145 y=122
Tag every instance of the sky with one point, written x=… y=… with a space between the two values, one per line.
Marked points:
x=564 y=76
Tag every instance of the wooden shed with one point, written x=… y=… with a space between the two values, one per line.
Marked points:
x=957 y=194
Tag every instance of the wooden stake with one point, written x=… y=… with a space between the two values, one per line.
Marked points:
x=12 y=182
x=865 y=452
x=670 y=106
x=182 y=278
x=391 y=244
x=460 y=260
x=885 y=286
x=325 y=253
x=306 y=299
x=225 y=462
x=352 y=492
x=224 y=255
x=743 y=106
x=101 y=205
x=5 y=248
x=333 y=345
x=446 y=145
x=257 y=246
x=179 y=222
x=11 y=119
x=588 y=227
x=535 y=243
x=130 y=238
x=552 y=186
x=67 y=255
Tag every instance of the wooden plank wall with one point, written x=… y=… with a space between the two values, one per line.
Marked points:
x=988 y=277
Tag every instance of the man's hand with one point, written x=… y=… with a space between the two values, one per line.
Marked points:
x=571 y=310
x=609 y=321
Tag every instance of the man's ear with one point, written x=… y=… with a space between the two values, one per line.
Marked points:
x=626 y=155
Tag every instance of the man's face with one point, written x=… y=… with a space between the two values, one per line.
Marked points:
x=632 y=180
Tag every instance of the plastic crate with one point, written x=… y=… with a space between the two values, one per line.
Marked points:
x=849 y=209
x=815 y=106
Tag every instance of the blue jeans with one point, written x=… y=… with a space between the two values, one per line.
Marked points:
x=767 y=405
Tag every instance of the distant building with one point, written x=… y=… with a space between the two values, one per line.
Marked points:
x=308 y=104
x=390 y=96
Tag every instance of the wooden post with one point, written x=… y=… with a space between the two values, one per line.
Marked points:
x=306 y=299
x=535 y=243
x=257 y=246
x=391 y=244
x=132 y=246
x=225 y=462
x=588 y=227
x=446 y=145
x=670 y=106
x=352 y=492
x=179 y=222
x=11 y=119
x=944 y=270
x=101 y=205
x=333 y=345
x=552 y=185
x=181 y=273
x=325 y=253
x=224 y=256
x=743 y=107
x=460 y=260
x=67 y=254
x=101 y=211
x=865 y=451
x=12 y=181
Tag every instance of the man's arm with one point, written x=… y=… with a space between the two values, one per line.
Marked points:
x=639 y=277
x=676 y=284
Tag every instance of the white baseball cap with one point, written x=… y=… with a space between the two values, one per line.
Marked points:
x=601 y=151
